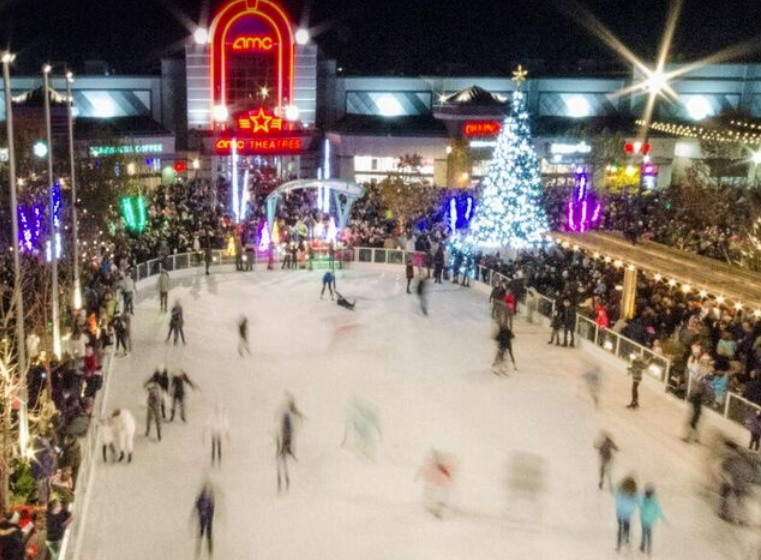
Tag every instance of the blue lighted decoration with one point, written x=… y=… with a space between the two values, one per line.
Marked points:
x=459 y=211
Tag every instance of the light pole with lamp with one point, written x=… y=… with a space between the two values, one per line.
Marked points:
x=75 y=232
x=53 y=229
x=6 y=59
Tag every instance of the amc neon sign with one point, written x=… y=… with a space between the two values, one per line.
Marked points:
x=224 y=146
x=481 y=128
x=253 y=43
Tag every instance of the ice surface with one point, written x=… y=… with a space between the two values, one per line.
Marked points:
x=431 y=382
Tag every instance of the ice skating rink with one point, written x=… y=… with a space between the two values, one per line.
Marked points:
x=430 y=380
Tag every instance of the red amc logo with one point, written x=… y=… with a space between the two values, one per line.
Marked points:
x=481 y=128
x=253 y=43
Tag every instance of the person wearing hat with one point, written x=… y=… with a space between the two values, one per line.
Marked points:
x=11 y=537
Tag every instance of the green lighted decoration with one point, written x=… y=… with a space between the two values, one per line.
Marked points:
x=133 y=212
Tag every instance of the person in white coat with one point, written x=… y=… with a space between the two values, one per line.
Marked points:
x=218 y=426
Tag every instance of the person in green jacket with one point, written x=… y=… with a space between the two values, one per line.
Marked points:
x=649 y=512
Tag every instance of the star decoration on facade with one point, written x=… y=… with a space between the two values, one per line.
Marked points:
x=261 y=121
x=519 y=75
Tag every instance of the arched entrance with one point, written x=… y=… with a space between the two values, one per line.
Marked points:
x=336 y=188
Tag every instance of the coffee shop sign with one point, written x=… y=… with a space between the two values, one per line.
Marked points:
x=126 y=149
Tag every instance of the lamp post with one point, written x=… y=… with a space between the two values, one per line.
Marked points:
x=75 y=232
x=53 y=229
x=6 y=59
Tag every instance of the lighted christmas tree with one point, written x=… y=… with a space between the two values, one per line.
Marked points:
x=510 y=212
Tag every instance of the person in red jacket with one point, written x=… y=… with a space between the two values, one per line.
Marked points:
x=511 y=306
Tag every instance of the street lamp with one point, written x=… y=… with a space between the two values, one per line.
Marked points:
x=6 y=58
x=75 y=232
x=53 y=226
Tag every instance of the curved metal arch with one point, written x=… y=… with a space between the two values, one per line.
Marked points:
x=351 y=191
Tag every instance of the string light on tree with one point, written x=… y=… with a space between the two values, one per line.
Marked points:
x=509 y=212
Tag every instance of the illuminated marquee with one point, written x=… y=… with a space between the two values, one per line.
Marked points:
x=253 y=43
x=260 y=121
x=251 y=146
x=242 y=31
x=481 y=128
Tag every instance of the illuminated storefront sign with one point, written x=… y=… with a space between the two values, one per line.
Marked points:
x=481 y=128
x=253 y=43
x=561 y=149
x=251 y=146
x=127 y=149
x=259 y=121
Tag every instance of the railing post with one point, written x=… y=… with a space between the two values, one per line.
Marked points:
x=727 y=397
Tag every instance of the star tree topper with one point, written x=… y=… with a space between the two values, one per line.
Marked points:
x=519 y=75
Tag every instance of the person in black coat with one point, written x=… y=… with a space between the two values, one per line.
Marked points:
x=569 y=322
x=504 y=340
x=178 y=392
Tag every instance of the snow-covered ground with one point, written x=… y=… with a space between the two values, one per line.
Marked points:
x=431 y=383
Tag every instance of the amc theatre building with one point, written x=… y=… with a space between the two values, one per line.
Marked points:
x=252 y=90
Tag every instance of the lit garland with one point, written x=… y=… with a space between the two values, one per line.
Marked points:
x=711 y=134
x=684 y=286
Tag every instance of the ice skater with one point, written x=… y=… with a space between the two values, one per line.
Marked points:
x=153 y=413
x=504 y=338
x=422 y=294
x=218 y=427
x=409 y=273
x=635 y=369
x=593 y=382
x=605 y=448
x=329 y=282
x=626 y=504
x=437 y=473
x=243 y=336
x=203 y=509
x=287 y=417
x=345 y=303
x=176 y=323
x=179 y=380
x=363 y=427
x=649 y=512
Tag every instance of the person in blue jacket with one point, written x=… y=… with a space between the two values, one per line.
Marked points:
x=329 y=282
x=626 y=504
x=649 y=512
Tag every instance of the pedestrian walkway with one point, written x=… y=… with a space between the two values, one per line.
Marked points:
x=430 y=380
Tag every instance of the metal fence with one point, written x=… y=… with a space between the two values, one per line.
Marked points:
x=735 y=407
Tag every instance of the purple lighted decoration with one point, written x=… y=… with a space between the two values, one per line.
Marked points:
x=30 y=222
x=580 y=204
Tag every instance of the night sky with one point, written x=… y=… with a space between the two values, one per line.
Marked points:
x=392 y=36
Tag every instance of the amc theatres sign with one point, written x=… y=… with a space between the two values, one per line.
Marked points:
x=249 y=43
x=254 y=146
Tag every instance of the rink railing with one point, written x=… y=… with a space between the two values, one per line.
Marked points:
x=72 y=542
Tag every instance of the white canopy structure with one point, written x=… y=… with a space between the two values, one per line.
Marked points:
x=336 y=187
